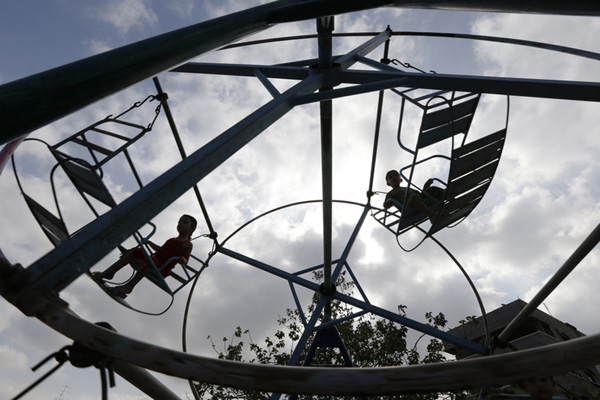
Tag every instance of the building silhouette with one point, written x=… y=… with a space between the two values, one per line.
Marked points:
x=539 y=329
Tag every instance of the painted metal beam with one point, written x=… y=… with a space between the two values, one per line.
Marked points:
x=182 y=152
x=429 y=330
x=377 y=80
x=438 y=377
x=324 y=301
x=325 y=29
x=498 y=39
x=351 y=90
x=560 y=7
x=270 y=71
x=35 y=101
x=347 y=60
x=578 y=255
x=462 y=343
x=342 y=261
x=520 y=42
x=143 y=380
x=543 y=88
x=58 y=92
x=284 y=71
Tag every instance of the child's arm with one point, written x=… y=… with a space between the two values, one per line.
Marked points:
x=427 y=184
x=153 y=245
x=387 y=203
x=187 y=250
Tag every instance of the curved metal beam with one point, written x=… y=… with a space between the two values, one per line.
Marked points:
x=485 y=38
x=480 y=372
x=575 y=7
x=37 y=100
x=61 y=91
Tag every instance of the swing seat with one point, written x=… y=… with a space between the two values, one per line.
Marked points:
x=154 y=274
x=88 y=183
x=81 y=156
x=399 y=222
x=471 y=172
x=85 y=179
x=471 y=165
x=53 y=227
x=115 y=135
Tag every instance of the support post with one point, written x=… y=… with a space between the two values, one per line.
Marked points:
x=325 y=30
x=579 y=254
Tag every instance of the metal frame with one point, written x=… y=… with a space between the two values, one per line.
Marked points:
x=64 y=264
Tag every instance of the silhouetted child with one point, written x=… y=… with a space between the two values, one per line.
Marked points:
x=414 y=199
x=179 y=246
x=539 y=388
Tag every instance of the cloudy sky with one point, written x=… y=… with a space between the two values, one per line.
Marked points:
x=539 y=208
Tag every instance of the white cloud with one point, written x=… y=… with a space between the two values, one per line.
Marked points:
x=182 y=8
x=97 y=46
x=12 y=357
x=216 y=9
x=128 y=14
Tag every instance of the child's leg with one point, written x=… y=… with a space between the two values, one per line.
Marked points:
x=128 y=287
x=110 y=272
x=421 y=206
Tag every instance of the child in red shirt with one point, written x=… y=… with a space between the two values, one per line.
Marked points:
x=179 y=246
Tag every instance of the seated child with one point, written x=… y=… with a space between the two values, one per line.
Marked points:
x=415 y=199
x=179 y=246
x=539 y=388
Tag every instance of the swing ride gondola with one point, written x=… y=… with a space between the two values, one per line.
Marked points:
x=447 y=117
x=472 y=165
x=81 y=157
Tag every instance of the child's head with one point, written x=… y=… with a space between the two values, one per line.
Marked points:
x=188 y=223
x=539 y=388
x=393 y=178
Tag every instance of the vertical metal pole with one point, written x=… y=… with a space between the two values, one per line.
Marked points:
x=370 y=192
x=169 y=115
x=325 y=29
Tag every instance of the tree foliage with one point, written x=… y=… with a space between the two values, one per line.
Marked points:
x=370 y=341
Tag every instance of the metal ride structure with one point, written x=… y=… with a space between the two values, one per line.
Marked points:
x=33 y=290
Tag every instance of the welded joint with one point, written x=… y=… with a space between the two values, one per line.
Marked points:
x=331 y=77
x=266 y=83
x=12 y=276
x=327 y=291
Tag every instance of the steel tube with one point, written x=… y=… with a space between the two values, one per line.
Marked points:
x=423 y=328
x=480 y=372
x=576 y=7
x=143 y=380
x=552 y=89
x=579 y=254
x=325 y=28
x=183 y=154
x=32 y=102
x=60 y=91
